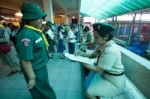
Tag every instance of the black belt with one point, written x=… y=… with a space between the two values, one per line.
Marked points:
x=113 y=74
x=3 y=43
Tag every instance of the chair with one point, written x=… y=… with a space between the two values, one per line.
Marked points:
x=141 y=50
x=133 y=46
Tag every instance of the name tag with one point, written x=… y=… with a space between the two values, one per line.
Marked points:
x=38 y=40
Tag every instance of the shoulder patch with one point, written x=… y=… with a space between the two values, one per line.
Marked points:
x=26 y=41
x=38 y=40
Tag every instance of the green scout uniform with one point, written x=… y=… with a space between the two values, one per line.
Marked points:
x=31 y=47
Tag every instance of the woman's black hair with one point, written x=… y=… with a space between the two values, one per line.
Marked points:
x=59 y=28
x=23 y=23
x=72 y=26
x=104 y=29
x=86 y=29
x=49 y=23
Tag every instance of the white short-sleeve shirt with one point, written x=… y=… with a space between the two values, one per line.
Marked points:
x=61 y=36
x=71 y=35
x=110 y=59
x=50 y=34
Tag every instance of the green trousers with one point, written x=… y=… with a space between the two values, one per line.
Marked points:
x=42 y=88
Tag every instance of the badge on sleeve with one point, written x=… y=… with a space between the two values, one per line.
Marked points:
x=26 y=41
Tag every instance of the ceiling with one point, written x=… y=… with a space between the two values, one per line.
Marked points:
x=69 y=7
x=60 y=7
x=102 y=9
x=99 y=9
x=9 y=7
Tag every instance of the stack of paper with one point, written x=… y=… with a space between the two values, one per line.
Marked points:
x=80 y=59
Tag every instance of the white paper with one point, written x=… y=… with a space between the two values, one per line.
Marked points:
x=50 y=34
x=80 y=58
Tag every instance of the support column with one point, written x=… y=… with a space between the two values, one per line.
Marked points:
x=132 y=26
x=113 y=20
x=140 y=24
x=78 y=19
x=66 y=19
x=149 y=46
x=69 y=18
x=48 y=8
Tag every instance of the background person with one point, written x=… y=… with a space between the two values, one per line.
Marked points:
x=7 y=50
x=61 y=46
x=71 y=39
x=50 y=37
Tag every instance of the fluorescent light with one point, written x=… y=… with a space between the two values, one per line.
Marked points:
x=73 y=17
x=18 y=14
x=62 y=15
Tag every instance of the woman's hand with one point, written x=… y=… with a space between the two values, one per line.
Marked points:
x=83 y=64
x=31 y=83
x=77 y=53
x=92 y=68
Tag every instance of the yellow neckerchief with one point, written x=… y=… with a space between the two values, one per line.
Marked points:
x=39 y=30
x=1 y=25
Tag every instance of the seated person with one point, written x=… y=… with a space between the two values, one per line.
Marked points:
x=108 y=72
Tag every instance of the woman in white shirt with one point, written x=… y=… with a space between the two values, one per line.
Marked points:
x=71 y=37
x=61 y=46
x=50 y=37
x=107 y=78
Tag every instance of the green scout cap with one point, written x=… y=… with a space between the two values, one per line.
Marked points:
x=103 y=27
x=31 y=11
x=48 y=23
